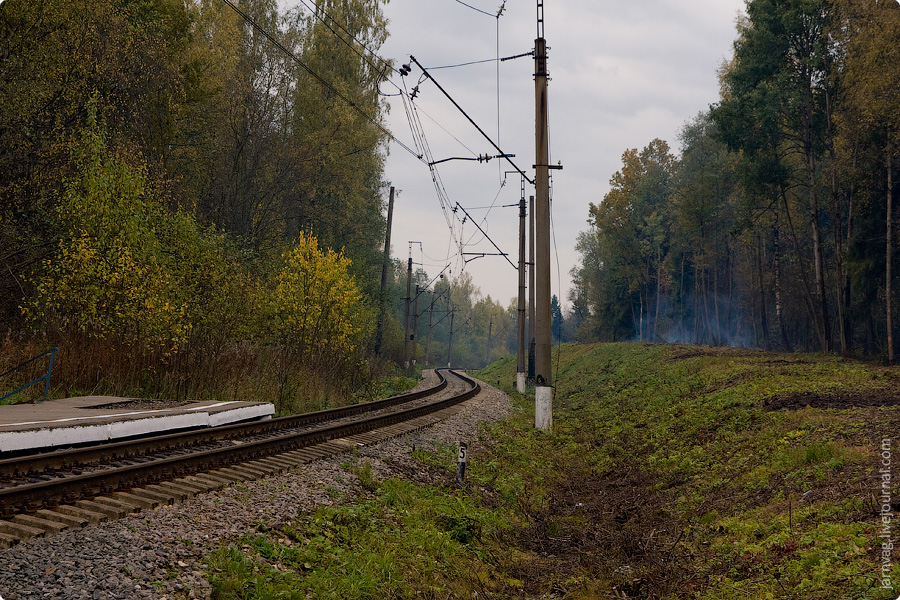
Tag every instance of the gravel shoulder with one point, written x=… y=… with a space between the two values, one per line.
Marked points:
x=159 y=554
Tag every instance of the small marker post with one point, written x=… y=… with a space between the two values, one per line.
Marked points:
x=461 y=463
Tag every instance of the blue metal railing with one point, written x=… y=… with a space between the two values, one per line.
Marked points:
x=45 y=377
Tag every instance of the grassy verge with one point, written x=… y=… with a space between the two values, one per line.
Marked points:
x=403 y=541
x=387 y=386
x=238 y=371
x=671 y=472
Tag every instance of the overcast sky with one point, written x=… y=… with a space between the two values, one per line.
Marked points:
x=622 y=73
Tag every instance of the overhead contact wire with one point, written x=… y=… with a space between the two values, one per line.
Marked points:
x=474 y=124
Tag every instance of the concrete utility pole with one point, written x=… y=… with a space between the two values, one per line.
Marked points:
x=520 y=338
x=530 y=378
x=415 y=333
x=386 y=261
x=487 y=358
x=450 y=343
x=543 y=396
x=406 y=328
x=430 y=319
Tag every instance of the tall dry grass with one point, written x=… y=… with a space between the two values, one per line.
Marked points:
x=241 y=371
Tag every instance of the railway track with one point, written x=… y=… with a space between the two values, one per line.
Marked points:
x=43 y=494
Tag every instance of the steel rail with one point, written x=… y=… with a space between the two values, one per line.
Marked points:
x=33 y=465
x=33 y=496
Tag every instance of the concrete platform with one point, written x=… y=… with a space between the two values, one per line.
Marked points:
x=94 y=419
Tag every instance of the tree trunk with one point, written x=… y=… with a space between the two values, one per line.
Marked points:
x=890 y=252
x=715 y=291
x=658 y=279
x=697 y=293
x=820 y=312
x=641 y=322
x=763 y=313
x=823 y=327
x=733 y=327
x=846 y=280
x=873 y=344
x=838 y=226
x=681 y=291
x=807 y=292
x=708 y=321
x=779 y=306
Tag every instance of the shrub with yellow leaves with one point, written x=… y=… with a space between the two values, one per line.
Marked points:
x=109 y=276
x=316 y=308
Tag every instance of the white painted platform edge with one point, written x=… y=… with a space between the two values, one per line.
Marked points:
x=241 y=414
x=64 y=436
x=162 y=425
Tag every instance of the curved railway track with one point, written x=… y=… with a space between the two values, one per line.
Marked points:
x=43 y=494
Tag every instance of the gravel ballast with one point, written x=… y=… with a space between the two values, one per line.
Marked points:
x=159 y=554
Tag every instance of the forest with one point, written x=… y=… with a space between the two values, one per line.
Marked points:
x=192 y=199
x=774 y=227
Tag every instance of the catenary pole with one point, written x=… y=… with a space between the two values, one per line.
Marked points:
x=385 y=263
x=543 y=397
x=520 y=338
x=530 y=378
x=430 y=321
x=450 y=343
x=415 y=326
x=487 y=355
x=406 y=327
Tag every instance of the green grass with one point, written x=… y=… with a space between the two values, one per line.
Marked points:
x=14 y=399
x=405 y=541
x=732 y=500
x=385 y=388
x=665 y=476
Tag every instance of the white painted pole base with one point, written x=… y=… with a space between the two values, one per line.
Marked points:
x=543 y=408
x=520 y=382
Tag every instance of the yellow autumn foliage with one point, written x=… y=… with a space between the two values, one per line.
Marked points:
x=316 y=307
x=129 y=271
x=116 y=273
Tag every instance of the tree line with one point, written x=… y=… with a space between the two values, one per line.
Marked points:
x=451 y=322
x=775 y=226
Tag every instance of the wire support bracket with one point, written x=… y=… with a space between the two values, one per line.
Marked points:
x=474 y=124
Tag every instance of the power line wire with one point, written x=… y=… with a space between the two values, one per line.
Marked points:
x=486 y=60
x=415 y=123
x=559 y=288
x=387 y=64
x=465 y=64
x=474 y=124
x=328 y=86
x=422 y=149
x=502 y=253
x=459 y=141
x=475 y=8
x=422 y=143
x=499 y=168
x=484 y=218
